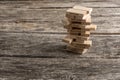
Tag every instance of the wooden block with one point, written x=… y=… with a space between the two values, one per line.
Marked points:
x=81 y=40
x=79 y=44
x=83 y=21
x=86 y=42
x=74 y=30
x=92 y=27
x=88 y=10
x=67 y=40
x=76 y=50
x=76 y=26
x=67 y=23
x=76 y=14
x=80 y=33
x=77 y=37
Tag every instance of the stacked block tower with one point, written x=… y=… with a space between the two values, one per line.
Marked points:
x=79 y=26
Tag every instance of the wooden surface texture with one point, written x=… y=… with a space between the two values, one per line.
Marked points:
x=31 y=48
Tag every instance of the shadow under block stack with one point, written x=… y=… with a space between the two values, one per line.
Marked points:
x=79 y=26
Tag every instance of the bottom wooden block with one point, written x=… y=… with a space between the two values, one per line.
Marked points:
x=77 y=41
x=80 y=46
x=76 y=50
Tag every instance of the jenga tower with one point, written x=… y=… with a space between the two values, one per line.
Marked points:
x=78 y=24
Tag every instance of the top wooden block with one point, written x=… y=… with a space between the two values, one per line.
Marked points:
x=88 y=10
x=77 y=11
x=76 y=14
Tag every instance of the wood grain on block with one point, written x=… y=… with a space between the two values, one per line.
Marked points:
x=82 y=41
x=80 y=46
x=78 y=30
x=80 y=33
x=85 y=42
x=76 y=50
x=73 y=29
x=77 y=37
x=91 y=27
x=88 y=10
x=87 y=20
x=76 y=14
x=66 y=22
x=77 y=26
x=84 y=27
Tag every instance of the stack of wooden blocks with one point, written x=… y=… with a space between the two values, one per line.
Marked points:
x=78 y=25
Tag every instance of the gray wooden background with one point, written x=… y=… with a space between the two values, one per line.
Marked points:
x=31 y=48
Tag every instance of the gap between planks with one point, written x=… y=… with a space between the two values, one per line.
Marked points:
x=58 y=33
x=51 y=57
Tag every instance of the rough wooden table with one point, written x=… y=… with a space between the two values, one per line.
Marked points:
x=31 y=46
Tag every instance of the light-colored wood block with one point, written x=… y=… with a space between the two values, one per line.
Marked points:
x=79 y=33
x=67 y=40
x=76 y=50
x=67 y=23
x=86 y=42
x=87 y=20
x=81 y=30
x=81 y=45
x=77 y=37
x=92 y=27
x=76 y=26
x=88 y=10
x=76 y=14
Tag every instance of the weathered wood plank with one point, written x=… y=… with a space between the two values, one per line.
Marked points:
x=57 y=14
x=50 y=5
x=60 y=1
x=50 y=20
x=115 y=1
x=33 y=16
x=105 y=25
x=59 y=69
x=52 y=1
x=50 y=45
x=27 y=55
